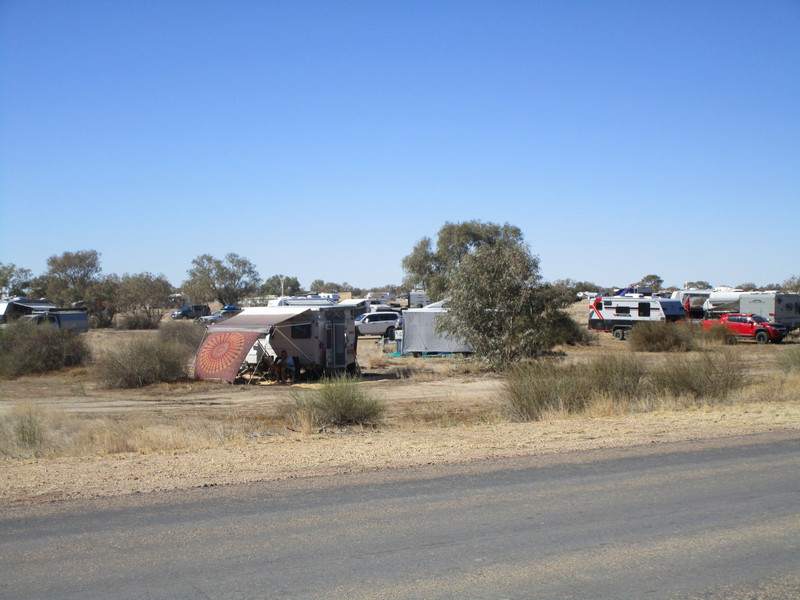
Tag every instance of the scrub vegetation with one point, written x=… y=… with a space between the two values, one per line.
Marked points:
x=27 y=348
x=336 y=401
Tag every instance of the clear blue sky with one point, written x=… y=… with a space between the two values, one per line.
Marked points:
x=322 y=140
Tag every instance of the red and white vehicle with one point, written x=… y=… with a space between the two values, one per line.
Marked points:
x=619 y=314
x=753 y=327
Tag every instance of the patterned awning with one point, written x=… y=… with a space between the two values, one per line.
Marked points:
x=221 y=354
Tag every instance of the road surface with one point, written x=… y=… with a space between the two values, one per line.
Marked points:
x=710 y=519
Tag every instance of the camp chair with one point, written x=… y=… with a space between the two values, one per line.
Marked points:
x=263 y=369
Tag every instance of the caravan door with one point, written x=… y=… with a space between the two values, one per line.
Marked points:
x=336 y=345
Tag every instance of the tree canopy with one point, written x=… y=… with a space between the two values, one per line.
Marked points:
x=498 y=303
x=281 y=285
x=227 y=281
x=144 y=295
x=431 y=269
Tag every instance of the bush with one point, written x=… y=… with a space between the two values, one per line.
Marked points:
x=188 y=334
x=30 y=348
x=617 y=376
x=543 y=386
x=661 y=336
x=534 y=390
x=142 y=362
x=136 y=321
x=712 y=375
x=719 y=335
x=337 y=401
x=789 y=359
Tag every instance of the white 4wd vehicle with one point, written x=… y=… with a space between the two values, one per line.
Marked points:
x=378 y=323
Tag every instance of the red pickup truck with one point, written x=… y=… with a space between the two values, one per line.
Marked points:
x=750 y=326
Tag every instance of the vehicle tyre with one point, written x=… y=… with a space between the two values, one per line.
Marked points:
x=762 y=337
x=619 y=334
x=389 y=335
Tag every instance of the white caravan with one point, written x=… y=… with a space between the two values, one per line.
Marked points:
x=321 y=339
x=619 y=314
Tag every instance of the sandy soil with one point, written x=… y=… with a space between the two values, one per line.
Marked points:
x=442 y=413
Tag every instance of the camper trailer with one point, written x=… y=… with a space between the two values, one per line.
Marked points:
x=321 y=339
x=619 y=314
x=418 y=299
x=420 y=335
x=774 y=306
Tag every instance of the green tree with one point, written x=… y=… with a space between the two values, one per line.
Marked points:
x=748 y=287
x=14 y=280
x=145 y=296
x=432 y=270
x=498 y=303
x=70 y=275
x=227 y=281
x=698 y=285
x=654 y=282
x=281 y=285
x=792 y=284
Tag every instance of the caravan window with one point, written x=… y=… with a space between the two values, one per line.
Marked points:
x=301 y=332
x=644 y=309
x=623 y=310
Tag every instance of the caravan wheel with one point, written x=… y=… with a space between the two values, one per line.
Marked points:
x=619 y=334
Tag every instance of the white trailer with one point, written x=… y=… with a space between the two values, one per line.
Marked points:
x=619 y=314
x=420 y=336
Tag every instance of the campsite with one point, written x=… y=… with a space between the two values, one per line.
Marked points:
x=439 y=410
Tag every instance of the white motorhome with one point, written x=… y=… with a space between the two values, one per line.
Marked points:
x=619 y=314
x=321 y=339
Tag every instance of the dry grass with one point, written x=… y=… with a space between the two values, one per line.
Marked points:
x=29 y=431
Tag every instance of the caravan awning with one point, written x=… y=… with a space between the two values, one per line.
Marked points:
x=258 y=319
x=223 y=351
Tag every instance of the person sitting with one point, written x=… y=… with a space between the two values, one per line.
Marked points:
x=283 y=364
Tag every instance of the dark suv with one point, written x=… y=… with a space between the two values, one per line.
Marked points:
x=191 y=311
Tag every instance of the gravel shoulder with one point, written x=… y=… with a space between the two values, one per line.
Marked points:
x=296 y=456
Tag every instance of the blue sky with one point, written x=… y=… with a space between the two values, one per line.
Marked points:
x=322 y=140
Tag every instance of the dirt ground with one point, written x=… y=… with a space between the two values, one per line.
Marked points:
x=439 y=411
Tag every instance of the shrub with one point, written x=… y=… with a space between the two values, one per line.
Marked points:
x=337 y=401
x=136 y=321
x=188 y=333
x=534 y=389
x=142 y=362
x=547 y=386
x=718 y=335
x=789 y=359
x=30 y=348
x=617 y=376
x=711 y=375
x=661 y=336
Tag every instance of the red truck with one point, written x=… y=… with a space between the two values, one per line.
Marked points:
x=753 y=327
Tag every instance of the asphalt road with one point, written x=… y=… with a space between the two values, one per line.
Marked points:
x=712 y=520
